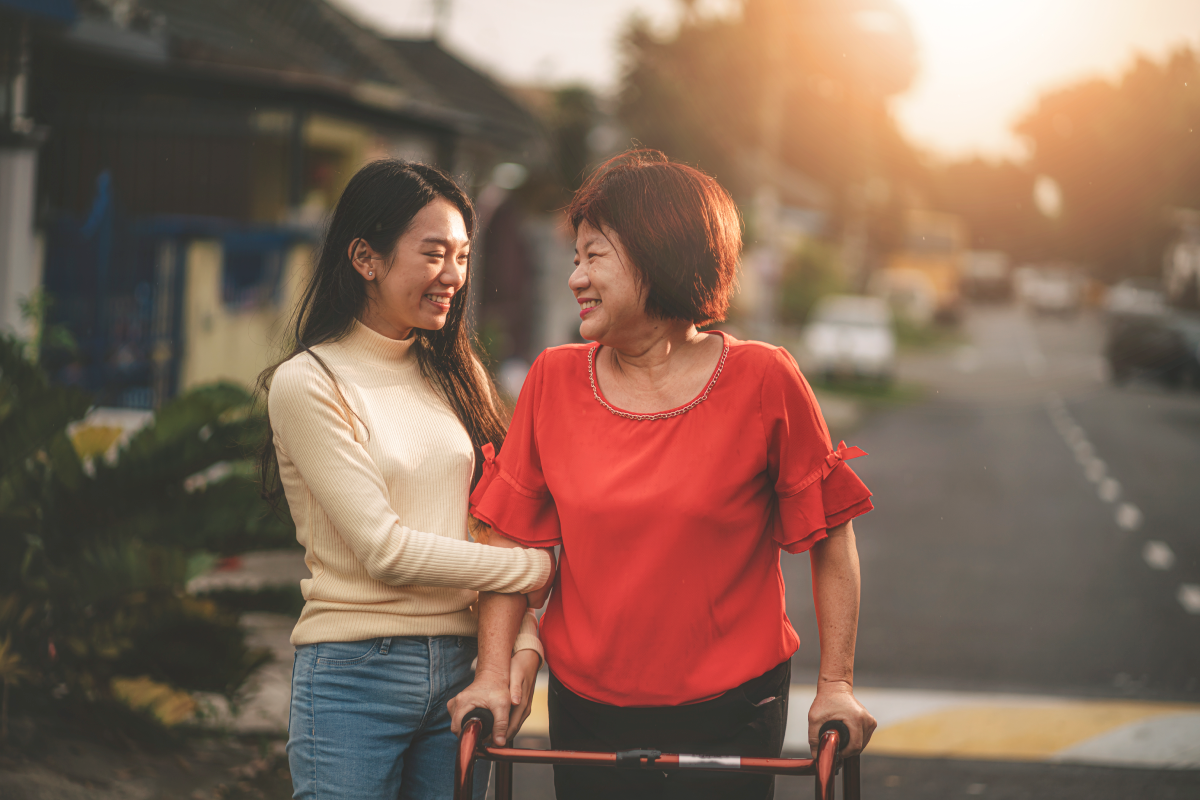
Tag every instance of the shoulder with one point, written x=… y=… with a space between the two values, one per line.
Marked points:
x=762 y=359
x=560 y=360
x=299 y=376
x=566 y=352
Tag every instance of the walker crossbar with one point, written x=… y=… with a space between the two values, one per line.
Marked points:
x=478 y=723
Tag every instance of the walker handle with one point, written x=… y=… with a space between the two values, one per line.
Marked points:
x=486 y=720
x=842 y=731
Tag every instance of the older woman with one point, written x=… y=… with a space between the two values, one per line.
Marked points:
x=673 y=466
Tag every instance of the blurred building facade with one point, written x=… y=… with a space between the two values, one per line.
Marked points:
x=182 y=156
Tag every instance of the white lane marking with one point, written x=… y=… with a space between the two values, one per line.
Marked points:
x=1158 y=555
x=1095 y=470
x=709 y=762
x=976 y=788
x=1109 y=490
x=1129 y=517
x=1189 y=597
x=1167 y=742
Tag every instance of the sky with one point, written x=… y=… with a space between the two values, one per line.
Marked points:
x=983 y=62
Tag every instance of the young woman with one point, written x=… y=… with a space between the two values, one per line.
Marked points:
x=377 y=420
x=673 y=467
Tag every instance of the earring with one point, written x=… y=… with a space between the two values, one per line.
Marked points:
x=370 y=274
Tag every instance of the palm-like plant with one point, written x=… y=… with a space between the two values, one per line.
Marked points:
x=94 y=556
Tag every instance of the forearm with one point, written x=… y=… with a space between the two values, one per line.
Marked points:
x=500 y=617
x=836 y=584
x=410 y=557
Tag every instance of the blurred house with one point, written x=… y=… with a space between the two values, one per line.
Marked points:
x=20 y=21
x=922 y=279
x=187 y=154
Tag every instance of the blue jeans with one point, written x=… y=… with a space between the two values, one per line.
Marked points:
x=368 y=719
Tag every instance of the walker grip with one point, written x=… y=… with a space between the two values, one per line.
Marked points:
x=486 y=720
x=842 y=731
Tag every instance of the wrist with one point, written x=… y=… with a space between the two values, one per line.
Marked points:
x=527 y=656
x=491 y=675
x=835 y=686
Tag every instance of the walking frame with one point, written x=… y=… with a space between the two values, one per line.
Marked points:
x=477 y=726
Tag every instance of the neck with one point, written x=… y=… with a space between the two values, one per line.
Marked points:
x=382 y=326
x=657 y=351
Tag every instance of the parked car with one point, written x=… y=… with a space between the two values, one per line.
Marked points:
x=986 y=276
x=1163 y=347
x=1136 y=296
x=851 y=336
x=1051 y=290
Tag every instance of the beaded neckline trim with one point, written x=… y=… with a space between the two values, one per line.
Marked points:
x=662 y=414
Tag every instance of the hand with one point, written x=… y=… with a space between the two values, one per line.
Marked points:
x=525 y=665
x=537 y=598
x=835 y=700
x=489 y=690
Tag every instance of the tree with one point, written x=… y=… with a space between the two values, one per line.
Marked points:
x=1122 y=152
x=995 y=198
x=701 y=94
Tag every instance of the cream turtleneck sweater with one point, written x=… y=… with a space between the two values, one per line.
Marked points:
x=380 y=501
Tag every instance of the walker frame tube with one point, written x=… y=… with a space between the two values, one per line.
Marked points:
x=477 y=725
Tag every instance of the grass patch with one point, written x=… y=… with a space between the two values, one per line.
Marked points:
x=924 y=337
x=871 y=392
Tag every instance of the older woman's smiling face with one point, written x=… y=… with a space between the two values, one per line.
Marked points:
x=611 y=301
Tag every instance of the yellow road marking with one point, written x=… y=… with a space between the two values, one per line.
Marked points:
x=1011 y=733
x=967 y=726
x=538 y=723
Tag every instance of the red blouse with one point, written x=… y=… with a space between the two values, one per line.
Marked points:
x=669 y=589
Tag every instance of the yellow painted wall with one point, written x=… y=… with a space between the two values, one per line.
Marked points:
x=226 y=344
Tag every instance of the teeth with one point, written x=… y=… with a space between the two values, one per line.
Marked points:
x=589 y=304
x=439 y=299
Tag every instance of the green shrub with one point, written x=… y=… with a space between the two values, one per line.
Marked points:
x=94 y=556
x=811 y=272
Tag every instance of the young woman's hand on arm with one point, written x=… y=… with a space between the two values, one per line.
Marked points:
x=835 y=580
x=503 y=684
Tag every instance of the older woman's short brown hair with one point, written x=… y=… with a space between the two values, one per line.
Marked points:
x=680 y=228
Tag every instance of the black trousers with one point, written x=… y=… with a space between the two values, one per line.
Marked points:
x=748 y=720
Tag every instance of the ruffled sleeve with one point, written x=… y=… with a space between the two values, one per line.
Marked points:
x=815 y=489
x=511 y=495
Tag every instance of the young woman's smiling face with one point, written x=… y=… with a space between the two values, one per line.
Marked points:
x=413 y=286
x=611 y=301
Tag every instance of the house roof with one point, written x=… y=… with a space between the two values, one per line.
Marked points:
x=463 y=86
x=57 y=10
x=307 y=44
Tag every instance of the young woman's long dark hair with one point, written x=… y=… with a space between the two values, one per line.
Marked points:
x=378 y=205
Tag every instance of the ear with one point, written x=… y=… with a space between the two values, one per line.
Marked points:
x=364 y=259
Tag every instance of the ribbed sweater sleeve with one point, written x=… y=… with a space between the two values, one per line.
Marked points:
x=312 y=426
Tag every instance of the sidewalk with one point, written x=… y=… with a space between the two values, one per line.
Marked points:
x=993 y=727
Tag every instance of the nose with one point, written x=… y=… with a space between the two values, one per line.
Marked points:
x=579 y=281
x=453 y=273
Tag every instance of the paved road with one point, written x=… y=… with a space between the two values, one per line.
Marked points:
x=992 y=562
x=1037 y=531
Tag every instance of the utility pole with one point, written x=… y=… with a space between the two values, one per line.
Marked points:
x=441 y=18
x=768 y=258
